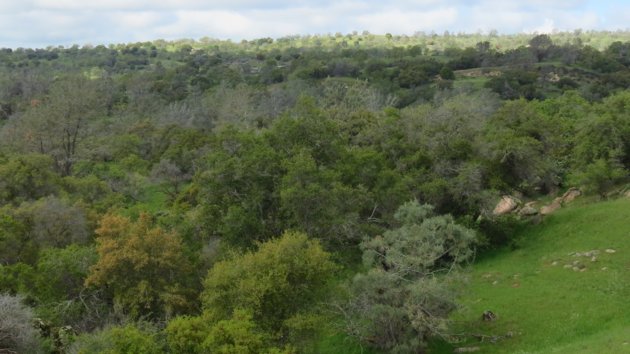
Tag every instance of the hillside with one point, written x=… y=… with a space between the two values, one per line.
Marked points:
x=546 y=304
x=270 y=197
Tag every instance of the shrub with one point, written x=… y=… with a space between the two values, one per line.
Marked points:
x=17 y=333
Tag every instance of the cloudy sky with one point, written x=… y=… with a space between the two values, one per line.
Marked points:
x=39 y=23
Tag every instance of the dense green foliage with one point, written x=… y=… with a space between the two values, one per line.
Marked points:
x=403 y=300
x=208 y=196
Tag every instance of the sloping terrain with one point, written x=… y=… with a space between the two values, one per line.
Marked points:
x=564 y=290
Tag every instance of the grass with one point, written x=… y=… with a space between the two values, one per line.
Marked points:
x=473 y=82
x=152 y=200
x=336 y=343
x=538 y=297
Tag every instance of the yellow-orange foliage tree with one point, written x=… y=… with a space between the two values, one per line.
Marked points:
x=141 y=266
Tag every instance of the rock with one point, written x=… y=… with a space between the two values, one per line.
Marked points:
x=548 y=209
x=528 y=211
x=627 y=194
x=554 y=263
x=575 y=269
x=506 y=205
x=466 y=350
x=593 y=259
x=610 y=250
x=495 y=282
x=604 y=268
x=590 y=253
x=570 y=195
x=582 y=269
x=488 y=316
x=567 y=266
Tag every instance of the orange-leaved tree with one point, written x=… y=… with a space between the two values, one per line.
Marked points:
x=141 y=266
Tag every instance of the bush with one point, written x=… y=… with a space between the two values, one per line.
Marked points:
x=276 y=282
x=599 y=177
x=401 y=303
x=17 y=333
x=117 y=340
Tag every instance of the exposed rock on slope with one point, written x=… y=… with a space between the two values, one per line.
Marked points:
x=506 y=205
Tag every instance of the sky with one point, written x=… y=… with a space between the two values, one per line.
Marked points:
x=42 y=23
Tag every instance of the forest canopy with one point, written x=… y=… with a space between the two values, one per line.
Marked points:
x=255 y=197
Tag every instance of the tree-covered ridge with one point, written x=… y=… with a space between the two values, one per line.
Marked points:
x=218 y=197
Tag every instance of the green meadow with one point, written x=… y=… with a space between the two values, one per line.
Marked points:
x=565 y=289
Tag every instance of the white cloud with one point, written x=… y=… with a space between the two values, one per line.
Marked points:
x=53 y=22
x=137 y=20
x=195 y=23
x=546 y=27
x=400 y=21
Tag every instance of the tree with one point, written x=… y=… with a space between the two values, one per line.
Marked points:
x=143 y=266
x=520 y=146
x=127 y=339
x=515 y=84
x=237 y=189
x=275 y=283
x=185 y=334
x=257 y=301
x=400 y=303
x=315 y=201
x=17 y=333
x=239 y=335
x=540 y=46
x=58 y=288
x=599 y=176
x=605 y=134
x=58 y=126
x=55 y=223
x=446 y=73
x=421 y=245
x=15 y=246
x=170 y=176
x=27 y=177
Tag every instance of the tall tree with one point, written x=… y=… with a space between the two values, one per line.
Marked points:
x=58 y=124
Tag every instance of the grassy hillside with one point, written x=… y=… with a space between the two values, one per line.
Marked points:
x=551 y=297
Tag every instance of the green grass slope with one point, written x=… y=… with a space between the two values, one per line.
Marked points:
x=551 y=297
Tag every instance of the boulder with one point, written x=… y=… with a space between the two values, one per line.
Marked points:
x=548 y=209
x=506 y=205
x=570 y=195
x=528 y=210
